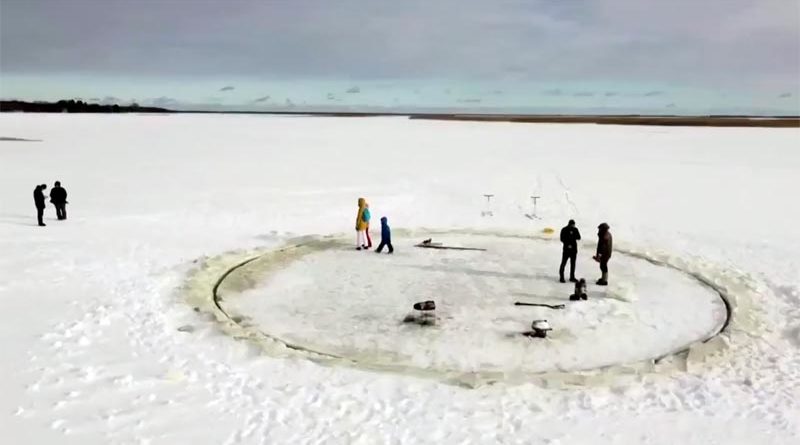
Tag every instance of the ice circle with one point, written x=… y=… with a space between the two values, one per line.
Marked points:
x=329 y=301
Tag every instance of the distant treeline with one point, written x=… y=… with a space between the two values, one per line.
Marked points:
x=74 y=106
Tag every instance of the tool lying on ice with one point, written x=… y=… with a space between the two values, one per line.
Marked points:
x=551 y=306
x=429 y=244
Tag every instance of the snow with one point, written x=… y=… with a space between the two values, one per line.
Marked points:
x=100 y=345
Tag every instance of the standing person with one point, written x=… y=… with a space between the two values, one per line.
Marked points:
x=58 y=196
x=386 y=236
x=569 y=238
x=367 y=216
x=38 y=200
x=604 y=248
x=361 y=225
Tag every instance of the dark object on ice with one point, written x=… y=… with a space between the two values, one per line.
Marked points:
x=429 y=305
x=580 y=291
x=569 y=238
x=605 y=246
x=58 y=196
x=539 y=329
x=429 y=244
x=386 y=236
x=38 y=200
x=550 y=306
x=424 y=313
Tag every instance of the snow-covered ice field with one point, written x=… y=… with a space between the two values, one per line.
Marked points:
x=101 y=345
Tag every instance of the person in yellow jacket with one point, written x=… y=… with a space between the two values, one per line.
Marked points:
x=362 y=223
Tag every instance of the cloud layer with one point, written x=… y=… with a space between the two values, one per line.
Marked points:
x=740 y=44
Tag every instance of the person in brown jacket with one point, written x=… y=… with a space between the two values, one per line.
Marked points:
x=604 y=248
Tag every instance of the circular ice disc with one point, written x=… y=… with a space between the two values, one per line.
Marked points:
x=353 y=304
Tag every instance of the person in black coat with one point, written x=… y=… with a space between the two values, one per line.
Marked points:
x=569 y=238
x=38 y=200
x=58 y=196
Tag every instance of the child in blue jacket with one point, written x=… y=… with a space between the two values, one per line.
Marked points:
x=386 y=236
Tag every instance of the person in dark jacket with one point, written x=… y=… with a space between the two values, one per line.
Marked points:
x=38 y=200
x=604 y=248
x=386 y=236
x=569 y=238
x=58 y=196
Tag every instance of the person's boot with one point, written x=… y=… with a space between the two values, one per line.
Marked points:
x=572 y=279
x=603 y=281
x=561 y=279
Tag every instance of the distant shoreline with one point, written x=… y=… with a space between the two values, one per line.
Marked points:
x=609 y=119
x=668 y=121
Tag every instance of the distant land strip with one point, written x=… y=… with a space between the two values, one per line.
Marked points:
x=11 y=139
x=72 y=106
x=670 y=121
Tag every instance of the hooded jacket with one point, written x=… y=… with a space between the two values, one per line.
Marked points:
x=605 y=243
x=361 y=224
x=386 y=232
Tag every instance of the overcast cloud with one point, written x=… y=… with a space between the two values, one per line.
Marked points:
x=735 y=44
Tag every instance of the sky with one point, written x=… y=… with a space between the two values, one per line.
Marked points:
x=567 y=56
